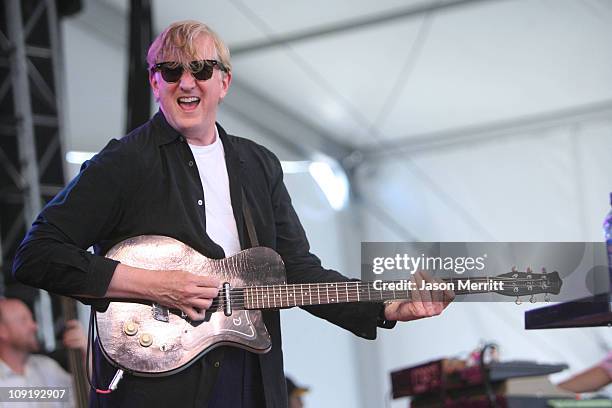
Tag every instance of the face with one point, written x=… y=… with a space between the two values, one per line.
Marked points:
x=17 y=328
x=190 y=106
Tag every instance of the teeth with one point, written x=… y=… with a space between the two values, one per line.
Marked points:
x=189 y=99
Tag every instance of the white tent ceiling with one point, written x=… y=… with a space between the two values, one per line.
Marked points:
x=397 y=72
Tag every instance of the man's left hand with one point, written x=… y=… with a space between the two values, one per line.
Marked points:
x=424 y=303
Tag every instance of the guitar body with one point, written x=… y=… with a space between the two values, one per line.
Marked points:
x=150 y=340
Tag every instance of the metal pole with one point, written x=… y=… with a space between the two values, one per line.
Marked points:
x=23 y=112
x=27 y=148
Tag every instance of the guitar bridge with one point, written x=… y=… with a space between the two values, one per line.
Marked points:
x=160 y=313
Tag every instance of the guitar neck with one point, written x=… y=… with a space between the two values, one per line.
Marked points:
x=285 y=296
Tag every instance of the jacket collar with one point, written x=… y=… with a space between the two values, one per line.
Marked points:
x=235 y=166
x=165 y=133
x=168 y=134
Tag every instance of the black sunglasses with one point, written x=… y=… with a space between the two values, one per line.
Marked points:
x=201 y=70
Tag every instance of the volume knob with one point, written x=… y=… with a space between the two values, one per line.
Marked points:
x=130 y=328
x=145 y=339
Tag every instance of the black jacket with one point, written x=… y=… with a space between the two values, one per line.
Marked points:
x=148 y=183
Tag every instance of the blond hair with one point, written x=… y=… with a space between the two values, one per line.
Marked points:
x=177 y=43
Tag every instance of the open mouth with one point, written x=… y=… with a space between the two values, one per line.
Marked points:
x=188 y=102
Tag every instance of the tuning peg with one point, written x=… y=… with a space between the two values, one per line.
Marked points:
x=532 y=299
x=513 y=269
x=529 y=270
x=543 y=270
x=518 y=300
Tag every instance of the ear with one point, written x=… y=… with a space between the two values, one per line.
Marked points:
x=226 y=80
x=154 y=81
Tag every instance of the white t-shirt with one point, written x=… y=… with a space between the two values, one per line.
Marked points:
x=40 y=371
x=220 y=222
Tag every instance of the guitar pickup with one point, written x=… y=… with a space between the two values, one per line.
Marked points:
x=160 y=313
x=227 y=309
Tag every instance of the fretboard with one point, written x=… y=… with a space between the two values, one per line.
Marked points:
x=291 y=295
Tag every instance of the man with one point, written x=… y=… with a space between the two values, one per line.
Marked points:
x=19 y=367
x=182 y=175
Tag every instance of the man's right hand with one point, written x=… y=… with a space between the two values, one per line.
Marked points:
x=190 y=293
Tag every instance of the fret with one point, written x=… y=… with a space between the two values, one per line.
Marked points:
x=319 y=294
x=278 y=296
x=245 y=292
x=369 y=296
x=337 y=295
x=274 y=296
x=302 y=292
x=327 y=293
x=262 y=297
x=287 y=294
x=357 y=287
x=266 y=294
x=347 y=290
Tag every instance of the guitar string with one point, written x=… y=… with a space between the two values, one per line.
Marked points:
x=264 y=304
x=353 y=295
x=370 y=284
x=289 y=289
x=352 y=291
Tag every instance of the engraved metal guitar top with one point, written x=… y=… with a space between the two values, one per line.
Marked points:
x=146 y=339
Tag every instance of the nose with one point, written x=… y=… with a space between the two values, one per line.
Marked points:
x=187 y=80
x=31 y=326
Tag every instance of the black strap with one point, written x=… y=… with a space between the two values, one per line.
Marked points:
x=248 y=219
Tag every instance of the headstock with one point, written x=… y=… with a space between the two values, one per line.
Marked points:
x=528 y=283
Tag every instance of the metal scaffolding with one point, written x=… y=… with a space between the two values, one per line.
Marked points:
x=31 y=157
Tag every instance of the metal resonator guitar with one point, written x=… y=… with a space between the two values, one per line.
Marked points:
x=148 y=339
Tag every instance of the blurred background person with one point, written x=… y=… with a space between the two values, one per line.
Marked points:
x=20 y=365
x=295 y=393
x=592 y=379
